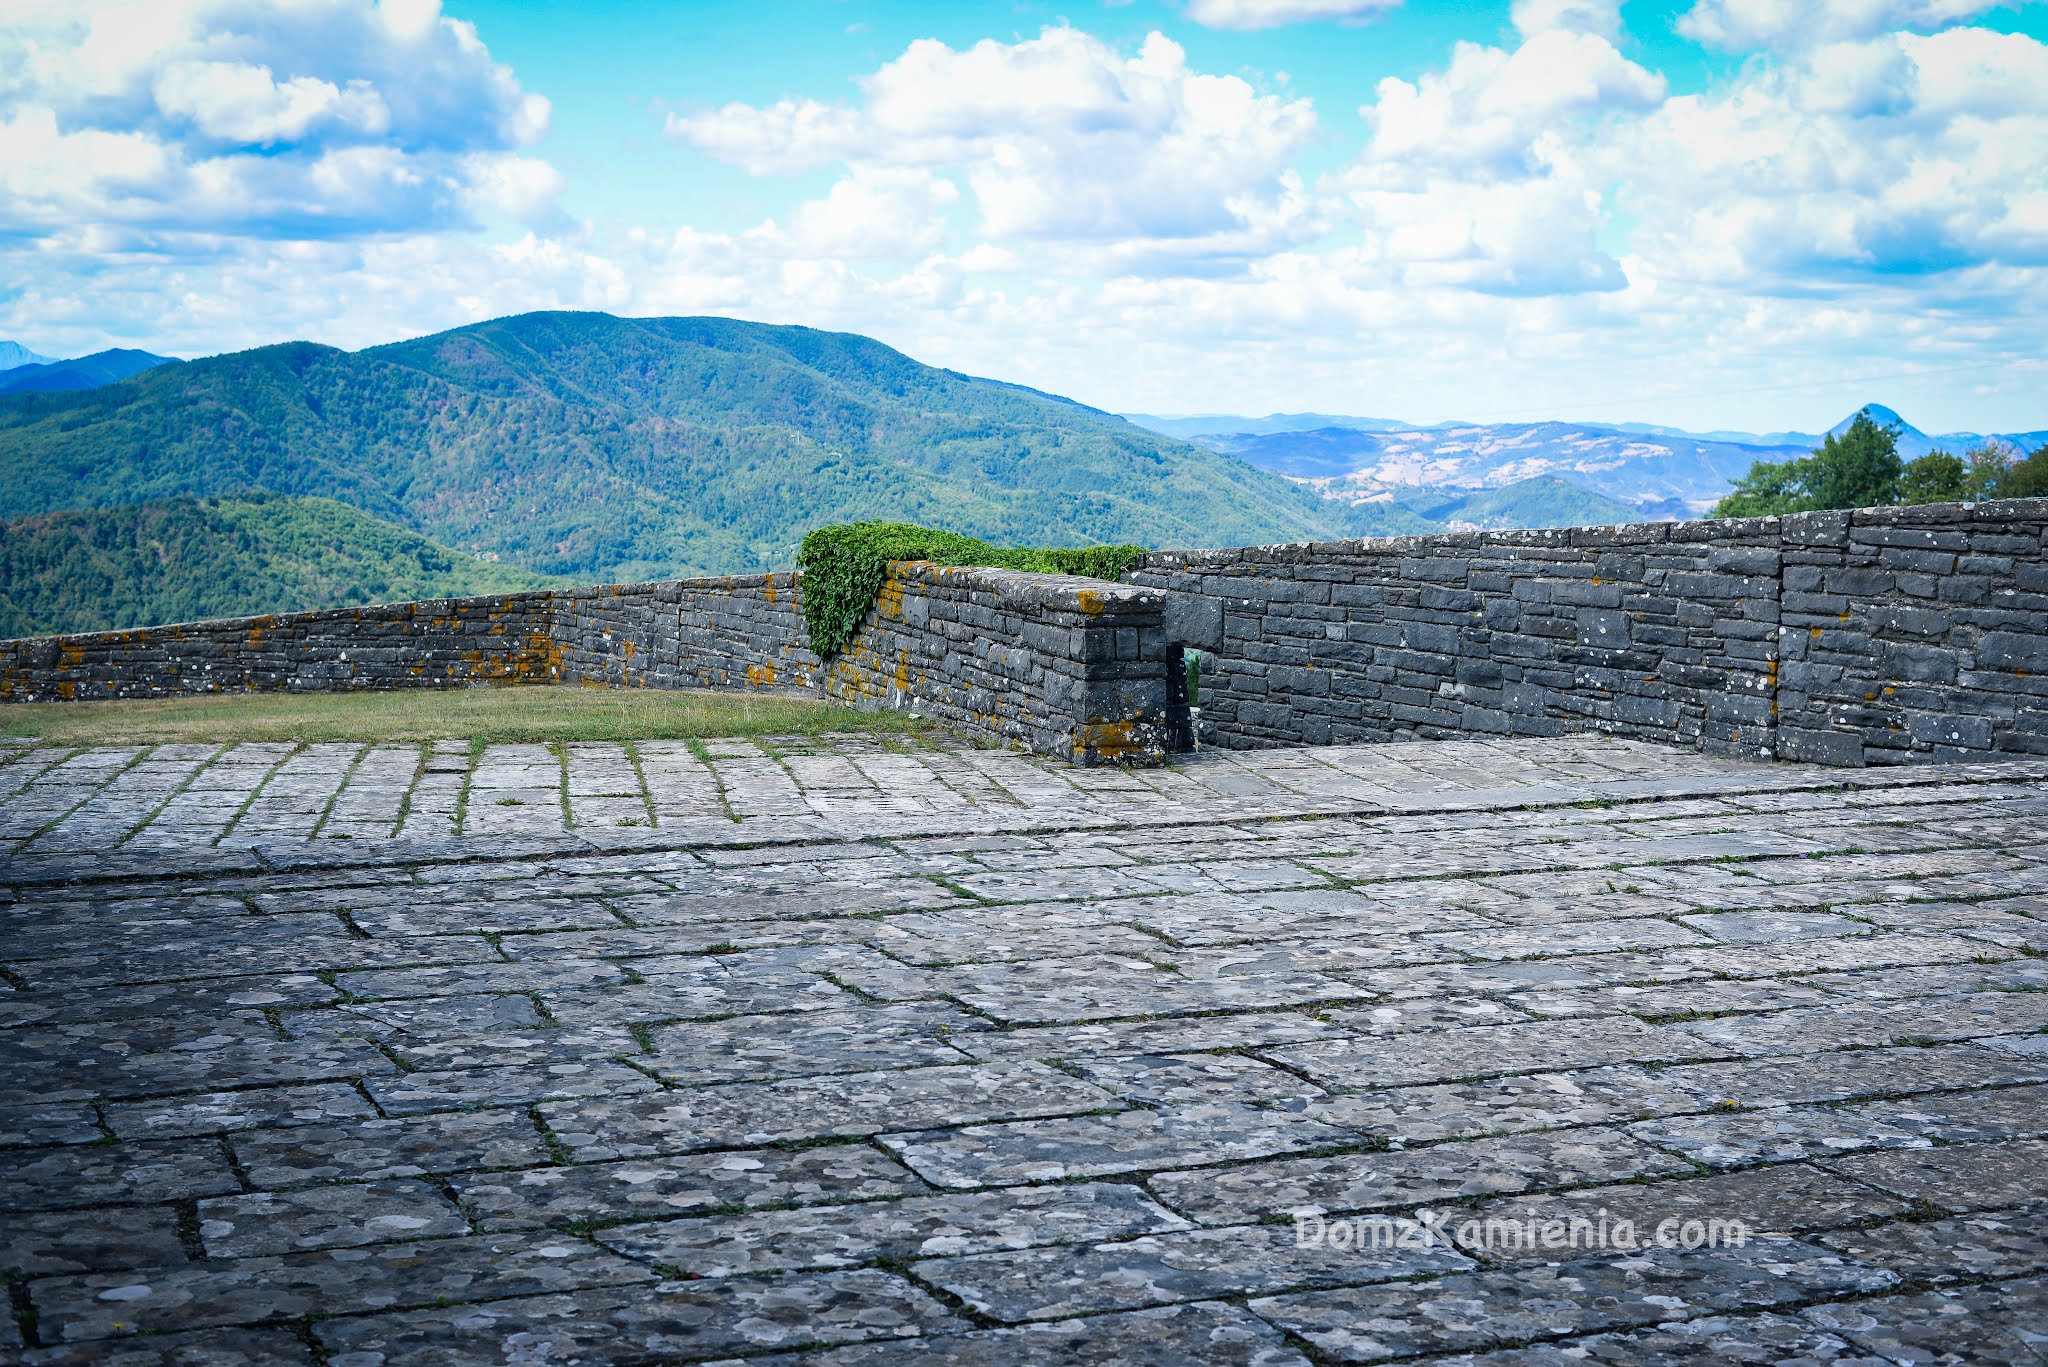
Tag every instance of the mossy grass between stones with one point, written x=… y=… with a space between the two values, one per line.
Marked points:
x=845 y=565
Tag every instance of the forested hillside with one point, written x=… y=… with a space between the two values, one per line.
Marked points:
x=179 y=559
x=607 y=448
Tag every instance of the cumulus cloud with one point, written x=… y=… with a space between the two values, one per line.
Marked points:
x=875 y=212
x=1478 y=176
x=237 y=117
x=1536 y=215
x=1578 y=16
x=244 y=105
x=1749 y=25
x=1499 y=112
x=1562 y=166
x=1059 y=138
x=1903 y=155
x=1258 y=14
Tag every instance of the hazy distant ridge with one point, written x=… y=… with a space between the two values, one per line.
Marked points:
x=82 y=372
x=1656 y=471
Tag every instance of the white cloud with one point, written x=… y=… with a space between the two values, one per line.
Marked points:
x=244 y=105
x=524 y=189
x=1258 y=14
x=273 y=121
x=1477 y=177
x=778 y=139
x=1529 y=222
x=890 y=214
x=1496 y=111
x=1577 y=16
x=1060 y=138
x=1849 y=165
x=1900 y=157
x=987 y=256
x=1747 y=25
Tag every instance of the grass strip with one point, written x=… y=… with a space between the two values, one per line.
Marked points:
x=523 y=714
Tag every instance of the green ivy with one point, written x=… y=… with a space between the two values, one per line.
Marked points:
x=844 y=567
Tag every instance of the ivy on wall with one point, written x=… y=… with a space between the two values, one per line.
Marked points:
x=844 y=567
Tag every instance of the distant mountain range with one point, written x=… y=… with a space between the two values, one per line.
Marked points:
x=587 y=447
x=597 y=447
x=1656 y=472
x=14 y=354
x=83 y=372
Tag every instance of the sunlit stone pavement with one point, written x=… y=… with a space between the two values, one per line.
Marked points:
x=864 y=1051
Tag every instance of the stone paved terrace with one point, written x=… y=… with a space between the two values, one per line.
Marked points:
x=897 y=1053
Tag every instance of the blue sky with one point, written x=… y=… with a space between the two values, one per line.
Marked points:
x=1713 y=213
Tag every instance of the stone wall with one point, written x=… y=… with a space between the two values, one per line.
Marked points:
x=1075 y=668
x=437 y=643
x=1874 y=636
x=1062 y=665
x=1914 y=633
x=742 y=631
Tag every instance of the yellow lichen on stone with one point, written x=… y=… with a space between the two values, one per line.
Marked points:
x=1110 y=740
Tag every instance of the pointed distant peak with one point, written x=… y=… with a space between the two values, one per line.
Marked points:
x=1879 y=414
x=14 y=354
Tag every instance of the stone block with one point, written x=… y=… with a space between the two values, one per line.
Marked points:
x=2011 y=650
x=1194 y=619
x=1600 y=628
x=1841 y=748
x=1941 y=728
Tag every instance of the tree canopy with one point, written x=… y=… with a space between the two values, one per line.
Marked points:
x=1859 y=467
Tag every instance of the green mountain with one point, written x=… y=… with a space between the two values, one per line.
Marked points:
x=182 y=559
x=1540 y=501
x=607 y=448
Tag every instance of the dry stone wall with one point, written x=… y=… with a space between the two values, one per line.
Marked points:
x=1075 y=668
x=1875 y=636
x=1915 y=633
x=746 y=631
x=1063 y=665
x=436 y=643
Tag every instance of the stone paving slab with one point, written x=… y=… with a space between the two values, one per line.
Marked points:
x=674 y=1321
x=1473 y=1309
x=916 y=1227
x=891 y=1052
x=683 y=1184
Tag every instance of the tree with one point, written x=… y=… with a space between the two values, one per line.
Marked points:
x=1988 y=464
x=1936 y=477
x=1771 y=488
x=1857 y=468
x=2023 y=478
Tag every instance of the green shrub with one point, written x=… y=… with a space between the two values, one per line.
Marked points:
x=844 y=567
